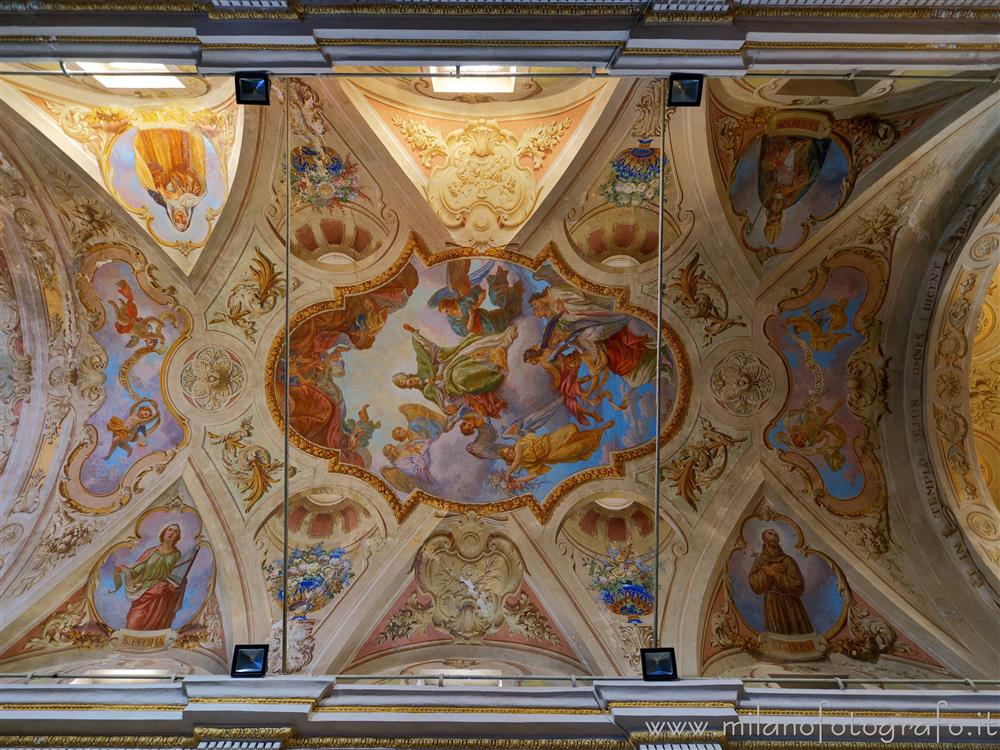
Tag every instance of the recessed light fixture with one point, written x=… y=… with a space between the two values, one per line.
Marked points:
x=473 y=79
x=128 y=75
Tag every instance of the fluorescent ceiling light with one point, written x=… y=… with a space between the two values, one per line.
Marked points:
x=473 y=79
x=117 y=676
x=119 y=75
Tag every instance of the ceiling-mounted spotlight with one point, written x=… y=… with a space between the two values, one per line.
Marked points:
x=684 y=90
x=252 y=87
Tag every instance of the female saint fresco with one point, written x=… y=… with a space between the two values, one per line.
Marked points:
x=155 y=582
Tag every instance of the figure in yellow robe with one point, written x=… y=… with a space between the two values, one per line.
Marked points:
x=536 y=453
x=170 y=165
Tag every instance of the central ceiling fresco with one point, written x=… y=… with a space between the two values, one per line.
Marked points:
x=474 y=359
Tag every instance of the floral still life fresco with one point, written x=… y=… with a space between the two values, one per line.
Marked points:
x=625 y=581
x=315 y=577
x=472 y=381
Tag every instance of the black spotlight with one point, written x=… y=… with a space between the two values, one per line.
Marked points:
x=249 y=661
x=252 y=88
x=685 y=90
x=658 y=664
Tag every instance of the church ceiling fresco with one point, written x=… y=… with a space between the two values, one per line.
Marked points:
x=473 y=371
x=170 y=165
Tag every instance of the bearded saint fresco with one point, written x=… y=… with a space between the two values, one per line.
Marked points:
x=474 y=380
x=781 y=587
x=777 y=578
x=173 y=176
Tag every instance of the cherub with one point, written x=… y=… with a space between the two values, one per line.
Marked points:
x=535 y=454
x=139 y=328
x=821 y=325
x=143 y=418
x=811 y=431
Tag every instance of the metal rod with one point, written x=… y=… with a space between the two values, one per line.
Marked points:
x=659 y=368
x=288 y=369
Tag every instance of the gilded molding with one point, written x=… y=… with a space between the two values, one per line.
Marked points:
x=360 y=9
x=803 y=745
x=468 y=743
x=679 y=52
x=91 y=707
x=256 y=701
x=459 y=710
x=133 y=742
x=516 y=43
x=49 y=39
x=880 y=46
x=670 y=704
x=856 y=12
x=858 y=713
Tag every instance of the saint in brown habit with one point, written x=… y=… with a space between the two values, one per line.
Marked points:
x=777 y=576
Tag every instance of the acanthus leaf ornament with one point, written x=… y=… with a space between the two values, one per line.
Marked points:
x=702 y=298
x=248 y=464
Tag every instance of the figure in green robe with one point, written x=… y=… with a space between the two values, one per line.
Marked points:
x=467 y=374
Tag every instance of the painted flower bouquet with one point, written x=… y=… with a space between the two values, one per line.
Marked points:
x=624 y=580
x=315 y=576
x=634 y=176
x=323 y=179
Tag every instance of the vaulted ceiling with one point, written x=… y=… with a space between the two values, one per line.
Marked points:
x=473 y=389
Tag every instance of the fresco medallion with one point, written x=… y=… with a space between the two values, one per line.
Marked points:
x=477 y=382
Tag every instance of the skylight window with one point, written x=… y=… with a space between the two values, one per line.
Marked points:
x=473 y=79
x=129 y=75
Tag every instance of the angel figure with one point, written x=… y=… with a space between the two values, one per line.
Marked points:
x=409 y=468
x=147 y=328
x=535 y=454
x=409 y=455
x=357 y=434
x=142 y=419
x=812 y=431
x=461 y=302
x=603 y=337
x=821 y=325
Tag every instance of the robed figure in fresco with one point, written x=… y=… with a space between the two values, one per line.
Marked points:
x=535 y=453
x=467 y=374
x=788 y=167
x=155 y=582
x=778 y=577
x=170 y=165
